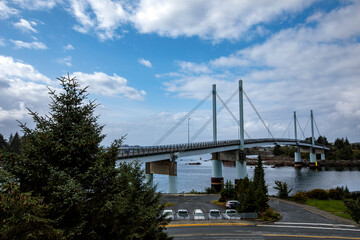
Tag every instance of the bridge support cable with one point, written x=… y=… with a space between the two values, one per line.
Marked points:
x=163 y=137
x=210 y=119
x=233 y=116
x=287 y=127
x=252 y=105
x=302 y=132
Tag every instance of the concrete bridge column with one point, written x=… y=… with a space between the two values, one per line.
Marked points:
x=149 y=176
x=240 y=166
x=312 y=159
x=166 y=167
x=217 y=180
x=297 y=163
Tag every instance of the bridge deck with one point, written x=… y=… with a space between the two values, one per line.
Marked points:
x=141 y=152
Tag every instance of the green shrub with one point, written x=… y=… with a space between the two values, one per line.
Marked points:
x=299 y=197
x=318 y=194
x=283 y=189
x=269 y=215
x=354 y=209
x=228 y=192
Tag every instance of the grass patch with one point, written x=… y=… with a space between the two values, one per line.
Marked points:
x=169 y=204
x=336 y=207
x=221 y=204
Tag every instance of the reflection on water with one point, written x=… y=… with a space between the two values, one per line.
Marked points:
x=198 y=177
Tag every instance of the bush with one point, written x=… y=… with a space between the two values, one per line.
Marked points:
x=210 y=190
x=320 y=194
x=283 y=189
x=354 y=209
x=299 y=197
x=269 y=215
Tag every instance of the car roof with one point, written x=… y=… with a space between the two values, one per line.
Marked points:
x=198 y=210
x=168 y=210
x=213 y=210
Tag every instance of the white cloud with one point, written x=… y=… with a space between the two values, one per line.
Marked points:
x=65 y=61
x=103 y=84
x=216 y=20
x=69 y=47
x=9 y=68
x=21 y=86
x=37 y=4
x=301 y=68
x=145 y=62
x=30 y=45
x=26 y=26
x=103 y=17
x=2 y=42
x=6 y=11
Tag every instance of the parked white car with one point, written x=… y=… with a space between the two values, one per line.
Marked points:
x=182 y=214
x=198 y=214
x=232 y=204
x=169 y=214
x=231 y=214
x=215 y=214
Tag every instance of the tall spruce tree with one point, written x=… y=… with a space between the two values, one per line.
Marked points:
x=88 y=197
x=260 y=185
x=3 y=143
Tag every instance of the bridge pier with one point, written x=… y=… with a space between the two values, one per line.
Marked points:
x=166 y=167
x=240 y=166
x=217 y=180
x=313 y=163
x=323 y=156
x=297 y=163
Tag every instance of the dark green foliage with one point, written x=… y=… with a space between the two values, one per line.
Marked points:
x=318 y=194
x=278 y=151
x=15 y=143
x=22 y=216
x=282 y=187
x=338 y=193
x=354 y=209
x=3 y=143
x=322 y=140
x=342 y=150
x=63 y=163
x=210 y=190
x=252 y=195
x=228 y=192
x=299 y=197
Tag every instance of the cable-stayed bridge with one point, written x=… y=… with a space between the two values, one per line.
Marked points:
x=161 y=159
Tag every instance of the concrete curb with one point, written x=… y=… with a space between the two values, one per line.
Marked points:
x=318 y=212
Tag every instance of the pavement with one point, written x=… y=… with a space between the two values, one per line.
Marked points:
x=298 y=221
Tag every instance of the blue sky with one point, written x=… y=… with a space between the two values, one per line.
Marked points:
x=149 y=62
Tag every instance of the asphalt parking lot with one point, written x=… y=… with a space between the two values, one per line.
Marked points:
x=191 y=202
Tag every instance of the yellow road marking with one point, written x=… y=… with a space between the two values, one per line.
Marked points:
x=207 y=224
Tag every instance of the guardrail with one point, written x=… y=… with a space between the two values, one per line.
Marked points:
x=138 y=151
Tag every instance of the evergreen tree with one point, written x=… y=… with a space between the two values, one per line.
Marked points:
x=3 y=143
x=260 y=185
x=228 y=192
x=15 y=143
x=63 y=163
x=282 y=187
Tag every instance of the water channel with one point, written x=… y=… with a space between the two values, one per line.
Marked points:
x=197 y=177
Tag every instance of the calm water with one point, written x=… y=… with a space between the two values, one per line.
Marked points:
x=198 y=177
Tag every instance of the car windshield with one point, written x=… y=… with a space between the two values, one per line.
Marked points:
x=183 y=212
x=231 y=211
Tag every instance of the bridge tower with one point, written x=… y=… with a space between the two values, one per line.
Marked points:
x=298 y=163
x=312 y=149
x=217 y=180
x=241 y=163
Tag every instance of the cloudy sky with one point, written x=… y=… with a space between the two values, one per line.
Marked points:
x=149 y=62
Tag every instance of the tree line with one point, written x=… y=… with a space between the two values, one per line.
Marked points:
x=341 y=149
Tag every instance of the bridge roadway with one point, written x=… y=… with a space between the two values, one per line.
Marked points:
x=164 y=152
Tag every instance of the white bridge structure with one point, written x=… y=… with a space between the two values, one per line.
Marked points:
x=161 y=159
